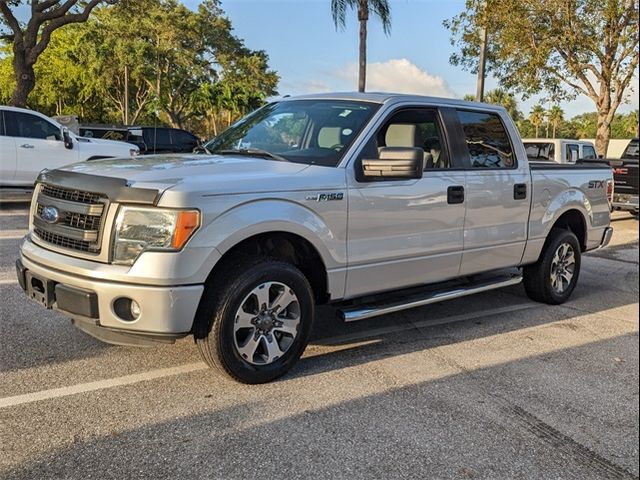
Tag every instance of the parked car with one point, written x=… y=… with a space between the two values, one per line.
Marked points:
x=149 y=140
x=371 y=202
x=559 y=150
x=31 y=142
x=626 y=177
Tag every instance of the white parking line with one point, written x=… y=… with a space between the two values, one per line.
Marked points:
x=192 y=367
x=99 y=385
x=12 y=234
x=8 y=281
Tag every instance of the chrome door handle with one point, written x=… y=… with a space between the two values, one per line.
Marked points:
x=26 y=145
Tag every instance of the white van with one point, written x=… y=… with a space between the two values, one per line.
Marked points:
x=559 y=150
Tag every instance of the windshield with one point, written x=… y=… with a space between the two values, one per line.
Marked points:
x=539 y=150
x=315 y=132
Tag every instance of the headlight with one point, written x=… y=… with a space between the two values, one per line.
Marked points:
x=141 y=229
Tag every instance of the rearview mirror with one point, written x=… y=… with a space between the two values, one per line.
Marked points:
x=395 y=162
x=66 y=138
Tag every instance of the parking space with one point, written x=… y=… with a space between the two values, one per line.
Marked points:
x=489 y=386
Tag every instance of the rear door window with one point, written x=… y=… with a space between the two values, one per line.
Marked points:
x=184 y=140
x=540 y=151
x=588 y=152
x=572 y=154
x=487 y=140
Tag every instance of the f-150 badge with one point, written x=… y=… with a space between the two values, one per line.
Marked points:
x=325 y=197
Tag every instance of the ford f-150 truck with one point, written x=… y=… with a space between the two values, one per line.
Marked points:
x=371 y=202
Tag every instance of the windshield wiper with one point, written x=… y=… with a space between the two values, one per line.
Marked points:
x=251 y=152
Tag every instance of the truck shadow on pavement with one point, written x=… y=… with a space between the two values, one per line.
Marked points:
x=46 y=337
x=562 y=413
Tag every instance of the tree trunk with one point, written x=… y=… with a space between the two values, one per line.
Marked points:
x=537 y=130
x=25 y=78
x=603 y=133
x=363 y=17
x=554 y=130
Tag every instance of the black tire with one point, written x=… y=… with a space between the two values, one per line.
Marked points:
x=215 y=329
x=537 y=277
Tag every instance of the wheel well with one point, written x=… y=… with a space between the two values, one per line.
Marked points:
x=574 y=220
x=287 y=247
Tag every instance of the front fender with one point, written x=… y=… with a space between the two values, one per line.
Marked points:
x=324 y=227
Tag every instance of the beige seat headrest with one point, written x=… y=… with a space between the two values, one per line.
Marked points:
x=402 y=135
x=328 y=137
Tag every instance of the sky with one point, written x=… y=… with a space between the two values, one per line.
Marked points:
x=311 y=56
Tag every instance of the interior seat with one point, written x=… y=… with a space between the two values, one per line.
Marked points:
x=406 y=135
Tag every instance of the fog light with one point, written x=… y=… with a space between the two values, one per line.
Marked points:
x=126 y=309
x=134 y=309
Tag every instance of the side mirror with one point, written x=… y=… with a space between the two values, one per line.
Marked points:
x=601 y=157
x=395 y=162
x=66 y=138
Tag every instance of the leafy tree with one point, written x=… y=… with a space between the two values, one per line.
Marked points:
x=556 y=117
x=536 y=117
x=30 y=41
x=561 y=47
x=380 y=9
x=183 y=68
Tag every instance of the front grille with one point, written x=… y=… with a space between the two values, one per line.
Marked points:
x=71 y=194
x=76 y=220
x=65 y=242
x=76 y=223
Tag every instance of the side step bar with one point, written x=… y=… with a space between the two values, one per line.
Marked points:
x=396 y=304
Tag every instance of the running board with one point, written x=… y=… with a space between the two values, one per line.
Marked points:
x=369 y=310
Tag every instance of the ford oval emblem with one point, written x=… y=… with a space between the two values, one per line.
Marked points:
x=50 y=214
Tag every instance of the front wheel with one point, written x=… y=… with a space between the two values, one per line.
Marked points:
x=255 y=324
x=554 y=276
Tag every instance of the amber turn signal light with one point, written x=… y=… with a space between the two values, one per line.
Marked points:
x=187 y=223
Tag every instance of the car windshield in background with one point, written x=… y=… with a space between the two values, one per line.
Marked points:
x=315 y=132
x=539 y=151
x=632 y=150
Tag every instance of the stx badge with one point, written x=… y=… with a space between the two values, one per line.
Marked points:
x=596 y=183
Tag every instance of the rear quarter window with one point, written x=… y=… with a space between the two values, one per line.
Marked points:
x=487 y=140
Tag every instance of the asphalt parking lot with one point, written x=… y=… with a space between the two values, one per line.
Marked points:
x=491 y=386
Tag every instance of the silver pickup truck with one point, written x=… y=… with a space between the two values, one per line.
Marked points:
x=371 y=202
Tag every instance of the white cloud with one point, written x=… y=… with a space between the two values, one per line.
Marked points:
x=399 y=76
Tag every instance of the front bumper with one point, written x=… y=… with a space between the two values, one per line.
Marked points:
x=166 y=313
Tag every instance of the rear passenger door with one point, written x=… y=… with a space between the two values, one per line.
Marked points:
x=498 y=192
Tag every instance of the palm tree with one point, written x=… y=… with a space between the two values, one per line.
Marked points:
x=499 y=96
x=556 y=115
x=536 y=117
x=380 y=9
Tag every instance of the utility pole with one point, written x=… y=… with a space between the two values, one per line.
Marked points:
x=483 y=55
x=126 y=95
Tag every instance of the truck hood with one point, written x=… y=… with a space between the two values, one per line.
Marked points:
x=105 y=142
x=191 y=173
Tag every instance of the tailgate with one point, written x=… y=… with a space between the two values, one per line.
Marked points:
x=625 y=176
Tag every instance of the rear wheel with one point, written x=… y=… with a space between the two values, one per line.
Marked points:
x=553 y=278
x=255 y=324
